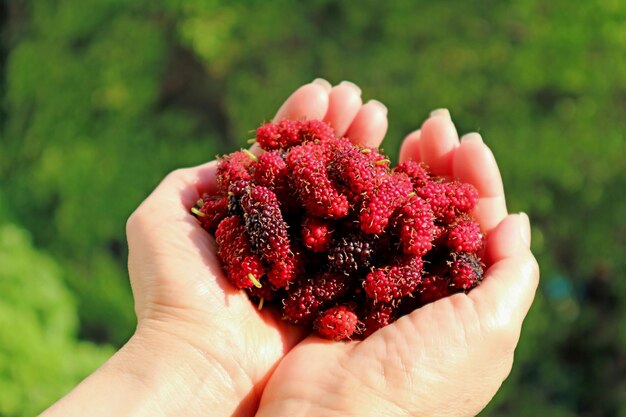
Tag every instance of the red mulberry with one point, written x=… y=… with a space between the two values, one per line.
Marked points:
x=391 y=283
x=416 y=171
x=317 y=234
x=285 y=271
x=417 y=227
x=316 y=130
x=232 y=168
x=391 y=192
x=281 y=135
x=317 y=193
x=210 y=211
x=353 y=168
x=337 y=323
x=465 y=236
x=449 y=199
x=244 y=269
x=433 y=288
x=271 y=171
x=309 y=295
x=466 y=271
x=265 y=224
x=378 y=316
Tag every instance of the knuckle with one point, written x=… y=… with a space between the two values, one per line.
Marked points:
x=177 y=174
x=503 y=331
x=534 y=265
x=135 y=221
x=131 y=223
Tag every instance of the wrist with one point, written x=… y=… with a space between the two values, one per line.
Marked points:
x=199 y=377
x=155 y=375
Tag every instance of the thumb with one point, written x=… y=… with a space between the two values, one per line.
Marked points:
x=510 y=283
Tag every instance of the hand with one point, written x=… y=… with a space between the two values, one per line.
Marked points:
x=180 y=290
x=447 y=358
x=201 y=347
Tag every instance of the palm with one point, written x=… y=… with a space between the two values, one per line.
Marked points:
x=385 y=370
x=440 y=347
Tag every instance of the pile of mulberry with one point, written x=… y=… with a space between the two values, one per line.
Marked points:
x=330 y=235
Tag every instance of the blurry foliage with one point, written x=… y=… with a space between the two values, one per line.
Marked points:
x=102 y=98
x=40 y=358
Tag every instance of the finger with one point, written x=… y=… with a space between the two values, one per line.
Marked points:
x=308 y=102
x=473 y=162
x=438 y=141
x=344 y=102
x=509 y=238
x=168 y=208
x=181 y=189
x=509 y=286
x=410 y=148
x=323 y=83
x=369 y=125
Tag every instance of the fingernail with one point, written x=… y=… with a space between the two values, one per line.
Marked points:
x=352 y=85
x=441 y=113
x=472 y=137
x=320 y=81
x=379 y=105
x=525 y=228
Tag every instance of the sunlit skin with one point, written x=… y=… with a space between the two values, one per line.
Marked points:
x=202 y=348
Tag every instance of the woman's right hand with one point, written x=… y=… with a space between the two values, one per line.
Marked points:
x=445 y=359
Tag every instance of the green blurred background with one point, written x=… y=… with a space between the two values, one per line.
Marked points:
x=101 y=98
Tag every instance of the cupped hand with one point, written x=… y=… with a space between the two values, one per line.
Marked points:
x=445 y=359
x=183 y=301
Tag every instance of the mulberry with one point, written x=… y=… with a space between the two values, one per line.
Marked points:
x=304 y=301
x=317 y=193
x=265 y=225
x=391 y=283
x=466 y=271
x=210 y=211
x=317 y=234
x=378 y=316
x=391 y=192
x=337 y=323
x=244 y=268
x=433 y=288
x=417 y=226
x=232 y=168
x=282 y=135
x=351 y=253
x=465 y=236
x=416 y=171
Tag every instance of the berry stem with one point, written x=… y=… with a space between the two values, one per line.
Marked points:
x=250 y=154
x=197 y=212
x=261 y=303
x=254 y=281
